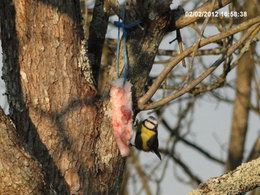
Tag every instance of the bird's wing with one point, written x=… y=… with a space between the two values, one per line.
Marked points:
x=153 y=145
x=153 y=142
x=138 y=139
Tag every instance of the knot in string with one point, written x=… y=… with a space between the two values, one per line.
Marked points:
x=124 y=27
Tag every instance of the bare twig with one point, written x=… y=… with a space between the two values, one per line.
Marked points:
x=254 y=108
x=144 y=99
x=174 y=132
x=174 y=53
x=180 y=44
x=255 y=152
x=184 y=167
x=186 y=88
x=171 y=53
x=141 y=173
x=201 y=150
x=197 y=44
x=203 y=75
x=220 y=81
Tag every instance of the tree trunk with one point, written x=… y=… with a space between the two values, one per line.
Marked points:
x=242 y=102
x=56 y=112
x=240 y=111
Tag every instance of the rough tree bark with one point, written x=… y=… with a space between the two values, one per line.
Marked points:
x=56 y=112
x=19 y=173
x=243 y=179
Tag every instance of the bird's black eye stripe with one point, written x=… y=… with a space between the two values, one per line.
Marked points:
x=154 y=125
x=151 y=122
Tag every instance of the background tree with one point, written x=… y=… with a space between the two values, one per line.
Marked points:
x=57 y=86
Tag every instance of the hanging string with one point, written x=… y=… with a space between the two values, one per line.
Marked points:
x=118 y=50
x=124 y=27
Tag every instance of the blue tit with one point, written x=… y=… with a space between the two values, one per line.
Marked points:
x=146 y=138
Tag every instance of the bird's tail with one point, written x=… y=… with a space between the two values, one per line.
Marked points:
x=158 y=154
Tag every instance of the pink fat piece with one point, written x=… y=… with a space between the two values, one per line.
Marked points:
x=122 y=113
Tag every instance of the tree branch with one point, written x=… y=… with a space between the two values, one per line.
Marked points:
x=97 y=32
x=243 y=179
x=192 y=145
x=184 y=167
x=222 y=78
x=170 y=53
x=201 y=150
x=204 y=24
x=241 y=109
x=144 y=99
x=18 y=171
x=255 y=152
x=141 y=174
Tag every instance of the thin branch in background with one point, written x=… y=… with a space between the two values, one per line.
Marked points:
x=184 y=167
x=221 y=79
x=257 y=89
x=201 y=150
x=255 y=151
x=196 y=81
x=180 y=44
x=175 y=132
x=174 y=53
x=156 y=84
x=123 y=189
x=196 y=47
x=221 y=97
x=181 y=116
x=159 y=180
x=227 y=62
x=180 y=178
x=141 y=173
x=185 y=89
x=254 y=108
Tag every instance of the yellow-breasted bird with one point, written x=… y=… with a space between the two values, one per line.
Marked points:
x=146 y=138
